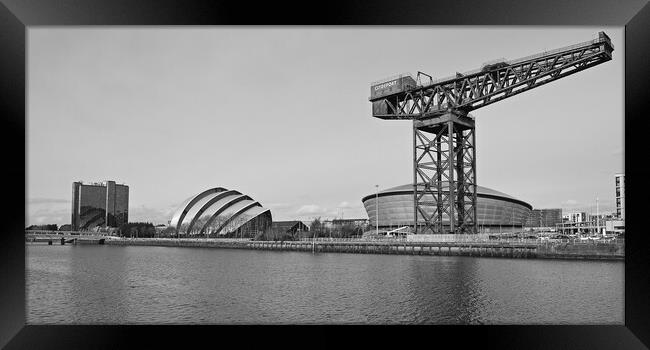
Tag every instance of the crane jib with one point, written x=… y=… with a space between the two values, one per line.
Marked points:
x=403 y=98
x=444 y=141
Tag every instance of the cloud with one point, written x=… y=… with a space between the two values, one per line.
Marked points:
x=149 y=214
x=276 y=205
x=311 y=209
x=348 y=205
x=617 y=151
x=48 y=213
x=48 y=200
x=54 y=211
x=570 y=202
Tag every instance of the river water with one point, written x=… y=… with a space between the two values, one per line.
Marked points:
x=99 y=284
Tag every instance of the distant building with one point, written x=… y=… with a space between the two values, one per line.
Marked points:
x=495 y=211
x=544 y=218
x=289 y=226
x=99 y=204
x=360 y=223
x=615 y=226
x=620 y=196
x=601 y=218
x=575 y=217
x=336 y=224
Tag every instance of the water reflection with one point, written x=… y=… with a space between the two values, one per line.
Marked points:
x=108 y=284
x=102 y=269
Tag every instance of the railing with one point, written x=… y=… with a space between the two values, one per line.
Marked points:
x=393 y=77
x=174 y=239
x=554 y=51
x=496 y=60
x=445 y=106
x=60 y=233
x=352 y=239
x=478 y=238
x=522 y=59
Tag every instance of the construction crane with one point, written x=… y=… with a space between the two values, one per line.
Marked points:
x=444 y=152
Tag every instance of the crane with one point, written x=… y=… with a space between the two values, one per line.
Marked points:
x=444 y=152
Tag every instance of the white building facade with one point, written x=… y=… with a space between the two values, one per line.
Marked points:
x=620 y=196
x=575 y=217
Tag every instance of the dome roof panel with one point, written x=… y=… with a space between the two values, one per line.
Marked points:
x=254 y=211
x=179 y=212
x=182 y=210
x=219 y=203
x=480 y=192
x=199 y=205
x=236 y=206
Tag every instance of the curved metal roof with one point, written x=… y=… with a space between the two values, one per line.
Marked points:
x=480 y=192
x=233 y=209
x=182 y=211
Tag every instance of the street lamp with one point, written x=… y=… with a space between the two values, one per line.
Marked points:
x=377 y=209
x=597 y=218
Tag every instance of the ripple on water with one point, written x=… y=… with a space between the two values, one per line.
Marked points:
x=135 y=285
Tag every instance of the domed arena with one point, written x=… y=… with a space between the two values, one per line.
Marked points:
x=220 y=212
x=495 y=211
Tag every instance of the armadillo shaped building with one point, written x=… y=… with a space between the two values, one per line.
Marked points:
x=220 y=212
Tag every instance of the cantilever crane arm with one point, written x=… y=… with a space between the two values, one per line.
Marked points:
x=492 y=83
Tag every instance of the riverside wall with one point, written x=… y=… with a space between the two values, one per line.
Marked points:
x=531 y=250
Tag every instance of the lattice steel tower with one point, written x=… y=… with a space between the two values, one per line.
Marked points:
x=444 y=152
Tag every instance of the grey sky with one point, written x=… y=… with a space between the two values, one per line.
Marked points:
x=282 y=114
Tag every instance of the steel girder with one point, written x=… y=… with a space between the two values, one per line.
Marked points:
x=444 y=167
x=444 y=175
x=472 y=90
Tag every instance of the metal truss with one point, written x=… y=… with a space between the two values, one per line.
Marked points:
x=444 y=167
x=444 y=175
x=492 y=83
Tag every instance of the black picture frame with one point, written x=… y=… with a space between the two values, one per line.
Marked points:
x=17 y=15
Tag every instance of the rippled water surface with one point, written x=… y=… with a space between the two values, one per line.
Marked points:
x=132 y=285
